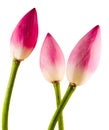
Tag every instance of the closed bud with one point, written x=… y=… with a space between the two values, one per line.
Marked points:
x=84 y=58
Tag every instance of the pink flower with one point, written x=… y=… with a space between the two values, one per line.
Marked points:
x=52 y=62
x=24 y=36
x=84 y=58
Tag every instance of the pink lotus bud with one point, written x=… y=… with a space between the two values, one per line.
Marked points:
x=52 y=62
x=84 y=58
x=24 y=36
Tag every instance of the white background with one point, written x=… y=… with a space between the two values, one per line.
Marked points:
x=33 y=101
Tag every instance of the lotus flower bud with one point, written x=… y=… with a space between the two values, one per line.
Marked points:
x=52 y=62
x=85 y=57
x=24 y=36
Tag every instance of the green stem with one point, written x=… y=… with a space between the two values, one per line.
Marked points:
x=60 y=108
x=58 y=100
x=14 y=68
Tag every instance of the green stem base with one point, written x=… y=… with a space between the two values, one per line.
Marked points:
x=71 y=88
x=58 y=100
x=14 y=68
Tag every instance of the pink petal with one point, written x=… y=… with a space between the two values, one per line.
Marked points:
x=85 y=57
x=24 y=36
x=52 y=62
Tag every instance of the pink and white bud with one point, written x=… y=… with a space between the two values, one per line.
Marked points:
x=85 y=57
x=24 y=36
x=52 y=62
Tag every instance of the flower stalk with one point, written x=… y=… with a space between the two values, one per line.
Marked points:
x=5 y=111
x=71 y=88
x=56 y=85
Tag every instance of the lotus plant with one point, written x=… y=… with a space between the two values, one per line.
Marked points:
x=22 y=43
x=82 y=63
x=52 y=64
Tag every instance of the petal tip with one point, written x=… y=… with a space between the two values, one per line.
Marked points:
x=96 y=28
x=48 y=35
x=33 y=10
